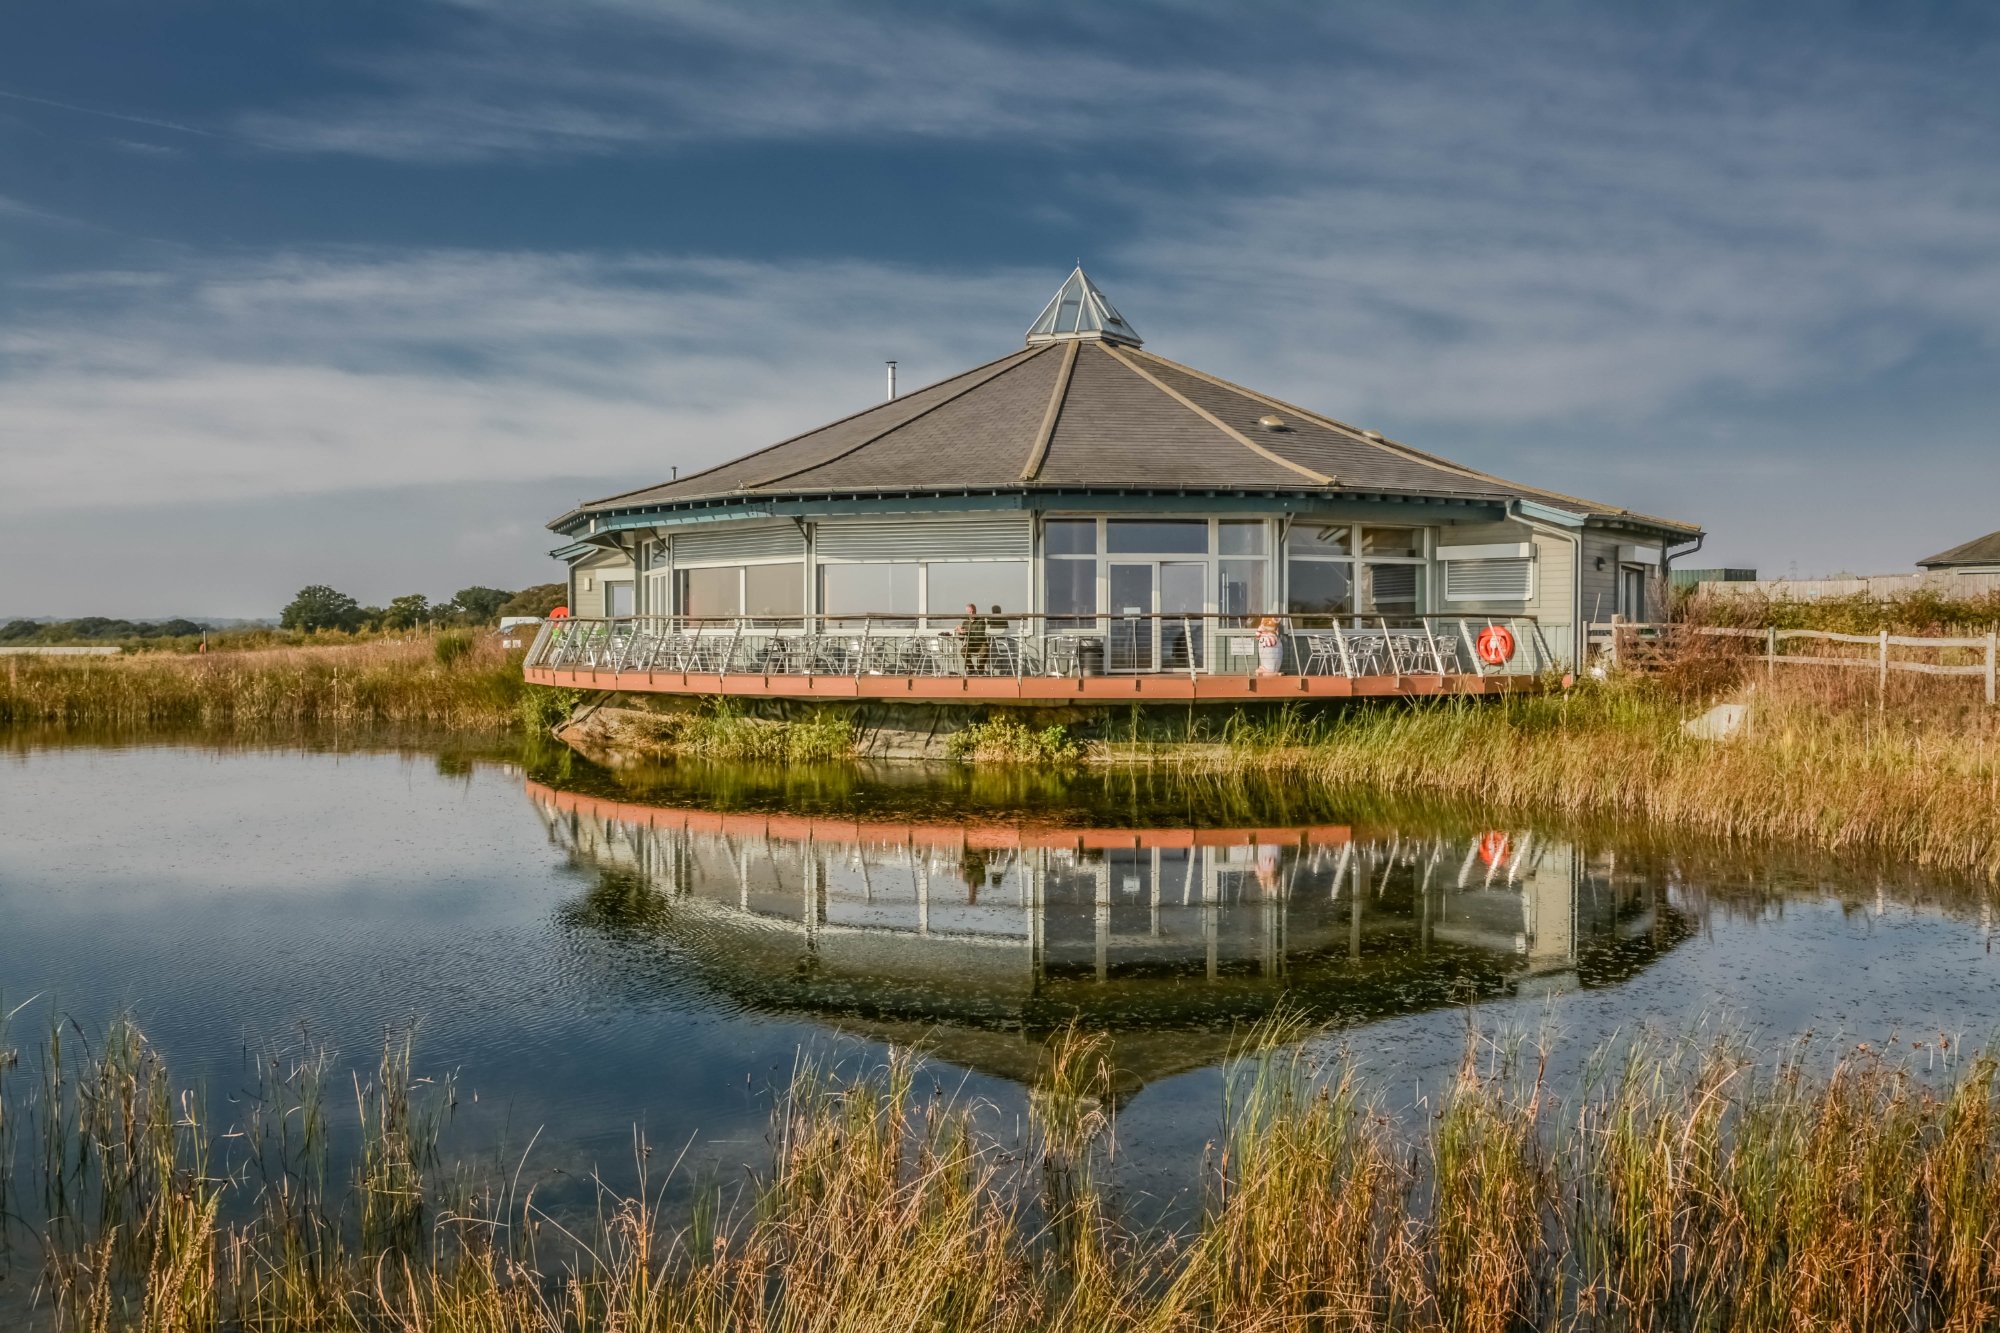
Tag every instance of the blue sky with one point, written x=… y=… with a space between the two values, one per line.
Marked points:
x=364 y=293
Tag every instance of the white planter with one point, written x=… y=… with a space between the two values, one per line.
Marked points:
x=1270 y=659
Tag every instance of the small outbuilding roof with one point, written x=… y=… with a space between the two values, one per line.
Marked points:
x=1979 y=551
x=1083 y=405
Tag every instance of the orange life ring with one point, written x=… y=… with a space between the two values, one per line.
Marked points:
x=1493 y=847
x=1495 y=645
x=560 y=613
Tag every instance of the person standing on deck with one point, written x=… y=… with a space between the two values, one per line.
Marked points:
x=974 y=632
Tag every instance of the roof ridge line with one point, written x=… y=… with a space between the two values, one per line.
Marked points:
x=1381 y=441
x=1022 y=353
x=1318 y=478
x=914 y=417
x=1040 y=452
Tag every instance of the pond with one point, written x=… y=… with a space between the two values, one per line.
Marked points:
x=591 y=953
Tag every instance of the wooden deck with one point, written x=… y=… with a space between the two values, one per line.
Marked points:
x=974 y=833
x=1160 y=688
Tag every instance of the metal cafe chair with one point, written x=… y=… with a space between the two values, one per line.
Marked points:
x=937 y=655
x=1369 y=651
x=1322 y=655
x=1003 y=656
x=1060 y=655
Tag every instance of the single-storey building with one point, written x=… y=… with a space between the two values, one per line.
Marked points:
x=1981 y=555
x=1083 y=485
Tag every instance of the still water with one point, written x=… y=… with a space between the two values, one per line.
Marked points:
x=591 y=953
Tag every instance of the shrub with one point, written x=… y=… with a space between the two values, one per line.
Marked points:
x=1002 y=740
x=452 y=646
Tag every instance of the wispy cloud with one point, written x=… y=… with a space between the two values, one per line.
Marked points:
x=1499 y=233
x=152 y=122
x=298 y=375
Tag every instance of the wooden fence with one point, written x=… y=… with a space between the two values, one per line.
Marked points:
x=1879 y=587
x=1623 y=643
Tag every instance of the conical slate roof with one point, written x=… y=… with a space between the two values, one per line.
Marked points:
x=1084 y=406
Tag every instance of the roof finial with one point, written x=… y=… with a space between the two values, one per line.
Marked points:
x=1079 y=310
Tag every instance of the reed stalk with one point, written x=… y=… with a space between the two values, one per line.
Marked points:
x=1685 y=1185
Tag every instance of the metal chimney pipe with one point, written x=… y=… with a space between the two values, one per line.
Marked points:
x=892 y=377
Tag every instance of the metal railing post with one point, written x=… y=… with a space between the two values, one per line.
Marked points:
x=1992 y=665
x=1389 y=642
x=1547 y=658
x=1437 y=654
x=861 y=658
x=1340 y=642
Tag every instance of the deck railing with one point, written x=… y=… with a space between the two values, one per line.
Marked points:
x=1189 y=644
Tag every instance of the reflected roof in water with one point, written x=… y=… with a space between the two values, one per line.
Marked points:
x=976 y=937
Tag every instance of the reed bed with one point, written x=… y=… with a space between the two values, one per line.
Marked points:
x=1818 y=763
x=1685 y=1185
x=450 y=680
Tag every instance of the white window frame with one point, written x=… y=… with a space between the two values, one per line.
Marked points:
x=1273 y=556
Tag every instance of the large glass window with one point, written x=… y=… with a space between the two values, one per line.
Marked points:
x=1241 y=590
x=1069 y=536
x=1238 y=537
x=1319 y=570
x=1312 y=537
x=1400 y=543
x=1069 y=588
x=774 y=590
x=989 y=585
x=710 y=592
x=1392 y=590
x=1146 y=536
x=1319 y=588
x=887 y=592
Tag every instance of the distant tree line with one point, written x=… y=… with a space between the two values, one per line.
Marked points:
x=314 y=609
x=94 y=629
x=322 y=608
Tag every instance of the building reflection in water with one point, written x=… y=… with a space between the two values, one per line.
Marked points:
x=946 y=931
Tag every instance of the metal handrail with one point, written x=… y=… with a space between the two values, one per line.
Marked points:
x=1022 y=644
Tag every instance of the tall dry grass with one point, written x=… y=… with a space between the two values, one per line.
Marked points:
x=1817 y=762
x=1684 y=1186
x=474 y=685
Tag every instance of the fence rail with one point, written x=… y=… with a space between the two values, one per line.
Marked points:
x=1622 y=642
x=1044 y=645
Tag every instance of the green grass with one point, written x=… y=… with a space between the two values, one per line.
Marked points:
x=1688 y=1184
x=722 y=732
x=1001 y=740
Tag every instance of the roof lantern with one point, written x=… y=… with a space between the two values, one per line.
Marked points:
x=1079 y=310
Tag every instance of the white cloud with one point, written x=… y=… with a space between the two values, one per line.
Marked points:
x=1496 y=233
x=298 y=375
